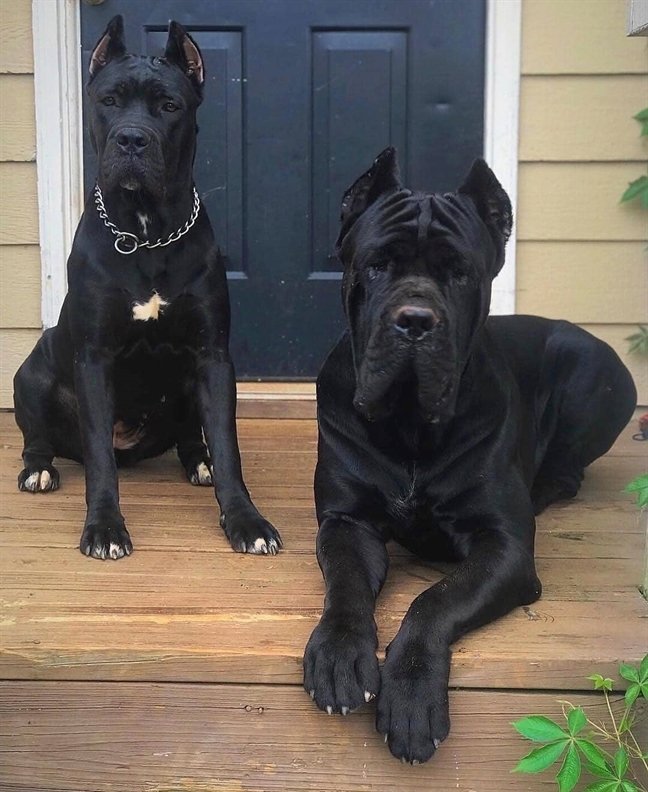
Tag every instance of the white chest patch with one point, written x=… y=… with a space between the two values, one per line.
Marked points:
x=143 y=221
x=152 y=309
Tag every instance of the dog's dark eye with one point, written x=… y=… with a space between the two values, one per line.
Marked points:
x=109 y=101
x=170 y=107
x=377 y=267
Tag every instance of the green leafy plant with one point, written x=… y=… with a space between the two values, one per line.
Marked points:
x=639 y=187
x=640 y=486
x=639 y=341
x=578 y=741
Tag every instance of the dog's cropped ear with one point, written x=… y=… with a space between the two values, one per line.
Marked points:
x=490 y=199
x=381 y=177
x=110 y=45
x=183 y=51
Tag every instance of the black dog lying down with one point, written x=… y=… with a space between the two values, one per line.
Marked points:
x=445 y=431
x=139 y=361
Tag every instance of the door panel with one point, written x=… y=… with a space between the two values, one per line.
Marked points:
x=300 y=97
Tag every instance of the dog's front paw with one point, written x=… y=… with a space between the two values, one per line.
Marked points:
x=412 y=709
x=249 y=532
x=103 y=540
x=43 y=479
x=340 y=665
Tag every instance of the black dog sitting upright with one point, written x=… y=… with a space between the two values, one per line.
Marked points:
x=444 y=431
x=139 y=361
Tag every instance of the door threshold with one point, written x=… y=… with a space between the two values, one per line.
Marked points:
x=275 y=400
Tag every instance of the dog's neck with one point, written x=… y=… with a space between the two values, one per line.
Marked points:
x=146 y=216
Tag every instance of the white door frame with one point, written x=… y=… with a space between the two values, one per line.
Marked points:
x=59 y=139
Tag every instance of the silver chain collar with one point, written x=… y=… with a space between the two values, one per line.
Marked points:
x=127 y=243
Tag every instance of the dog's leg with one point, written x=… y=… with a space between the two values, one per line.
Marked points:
x=104 y=534
x=34 y=384
x=192 y=452
x=412 y=713
x=246 y=529
x=340 y=664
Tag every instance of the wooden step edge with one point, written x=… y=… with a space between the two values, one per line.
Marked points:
x=276 y=400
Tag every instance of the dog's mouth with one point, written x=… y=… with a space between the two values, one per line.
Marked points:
x=132 y=172
x=394 y=372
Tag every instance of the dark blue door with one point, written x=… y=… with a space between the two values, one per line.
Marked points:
x=300 y=97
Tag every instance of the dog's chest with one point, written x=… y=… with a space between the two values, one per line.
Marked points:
x=149 y=310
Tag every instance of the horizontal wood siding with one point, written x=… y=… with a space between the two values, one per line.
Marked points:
x=581 y=254
x=20 y=268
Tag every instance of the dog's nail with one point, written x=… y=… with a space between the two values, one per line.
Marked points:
x=329 y=709
x=312 y=694
x=403 y=760
x=369 y=696
x=345 y=710
x=386 y=737
x=415 y=761
x=436 y=743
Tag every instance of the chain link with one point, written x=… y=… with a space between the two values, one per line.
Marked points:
x=127 y=243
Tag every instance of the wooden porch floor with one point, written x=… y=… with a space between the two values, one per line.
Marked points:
x=179 y=668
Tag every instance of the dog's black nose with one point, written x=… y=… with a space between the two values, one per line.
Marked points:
x=414 y=320
x=132 y=140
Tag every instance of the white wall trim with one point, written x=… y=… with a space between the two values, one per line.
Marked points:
x=57 y=77
x=501 y=124
x=59 y=159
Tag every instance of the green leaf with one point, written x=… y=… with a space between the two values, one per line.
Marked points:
x=643 y=669
x=637 y=484
x=639 y=341
x=540 y=758
x=593 y=754
x=631 y=695
x=635 y=189
x=539 y=729
x=628 y=786
x=621 y=762
x=600 y=683
x=642 y=498
x=570 y=771
x=576 y=720
x=600 y=772
x=627 y=671
x=602 y=786
x=642 y=118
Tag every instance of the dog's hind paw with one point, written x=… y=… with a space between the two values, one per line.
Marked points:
x=44 y=479
x=201 y=475
x=105 y=541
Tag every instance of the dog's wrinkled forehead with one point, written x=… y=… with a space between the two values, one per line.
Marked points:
x=410 y=224
x=142 y=76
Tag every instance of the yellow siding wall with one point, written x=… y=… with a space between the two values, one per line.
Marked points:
x=20 y=272
x=581 y=255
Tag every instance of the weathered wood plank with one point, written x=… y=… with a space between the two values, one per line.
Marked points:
x=184 y=607
x=124 y=737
